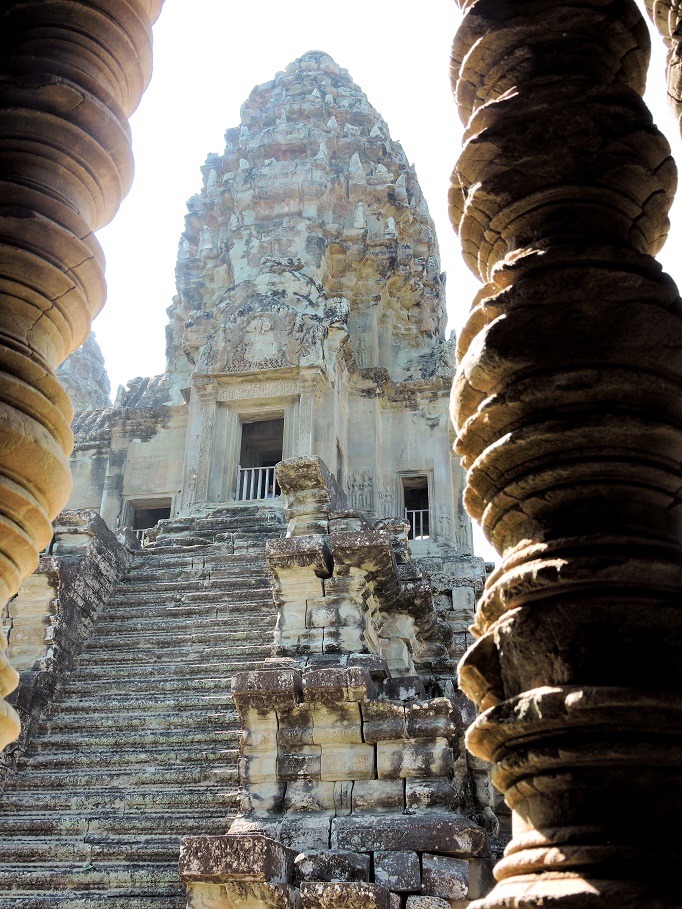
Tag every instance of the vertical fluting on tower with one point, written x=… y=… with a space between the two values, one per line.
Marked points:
x=70 y=75
x=568 y=404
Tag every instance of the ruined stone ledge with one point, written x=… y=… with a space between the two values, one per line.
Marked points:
x=226 y=858
x=350 y=895
x=449 y=834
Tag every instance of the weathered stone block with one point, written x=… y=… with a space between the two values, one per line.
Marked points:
x=450 y=834
x=310 y=552
x=343 y=797
x=330 y=686
x=309 y=641
x=426 y=902
x=259 y=731
x=309 y=795
x=266 y=689
x=373 y=663
x=329 y=612
x=337 y=724
x=414 y=758
x=434 y=792
x=262 y=798
x=325 y=686
x=344 y=640
x=247 y=896
x=295 y=726
x=404 y=688
x=483 y=787
x=383 y=720
x=429 y=719
x=445 y=876
x=303 y=763
x=306 y=831
x=222 y=858
x=347 y=762
x=378 y=796
x=464 y=599
x=260 y=767
x=360 y=684
x=331 y=865
x=398 y=871
x=350 y=895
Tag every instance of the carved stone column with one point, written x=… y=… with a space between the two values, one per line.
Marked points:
x=568 y=402
x=667 y=16
x=71 y=73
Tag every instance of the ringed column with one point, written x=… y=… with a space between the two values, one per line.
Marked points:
x=568 y=404
x=70 y=75
x=667 y=17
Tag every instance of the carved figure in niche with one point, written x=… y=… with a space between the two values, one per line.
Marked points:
x=386 y=501
x=353 y=490
x=461 y=535
x=365 y=491
x=444 y=523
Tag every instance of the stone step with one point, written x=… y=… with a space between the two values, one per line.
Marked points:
x=185 y=669
x=138 y=823
x=146 y=877
x=125 y=777
x=168 y=633
x=91 y=847
x=108 y=899
x=235 y=658
x=153 y=685
x=239 y=600
x=65 y=737
x=158 y=799
x=205 y=749
x=180 y=616
x=152 y=583
x=141 y=721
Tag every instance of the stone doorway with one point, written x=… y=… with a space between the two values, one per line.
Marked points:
x=260 y=450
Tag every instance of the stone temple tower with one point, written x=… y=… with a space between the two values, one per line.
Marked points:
x=309 y=320
x=269 y=669
x=310 y=308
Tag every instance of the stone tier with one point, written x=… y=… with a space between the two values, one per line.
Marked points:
x=140 y=743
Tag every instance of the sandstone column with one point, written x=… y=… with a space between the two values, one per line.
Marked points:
x=667 y=16
x=71 y=74
x=568 y=402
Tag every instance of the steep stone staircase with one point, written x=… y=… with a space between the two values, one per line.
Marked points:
x=139 y=747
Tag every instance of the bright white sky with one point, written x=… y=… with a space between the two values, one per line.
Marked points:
x=208 y=55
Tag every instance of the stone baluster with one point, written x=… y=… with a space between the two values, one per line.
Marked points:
x=71 y=75
x=667 y=16
x=568 y=403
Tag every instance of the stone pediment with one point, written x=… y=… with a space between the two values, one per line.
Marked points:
x=281 y=318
